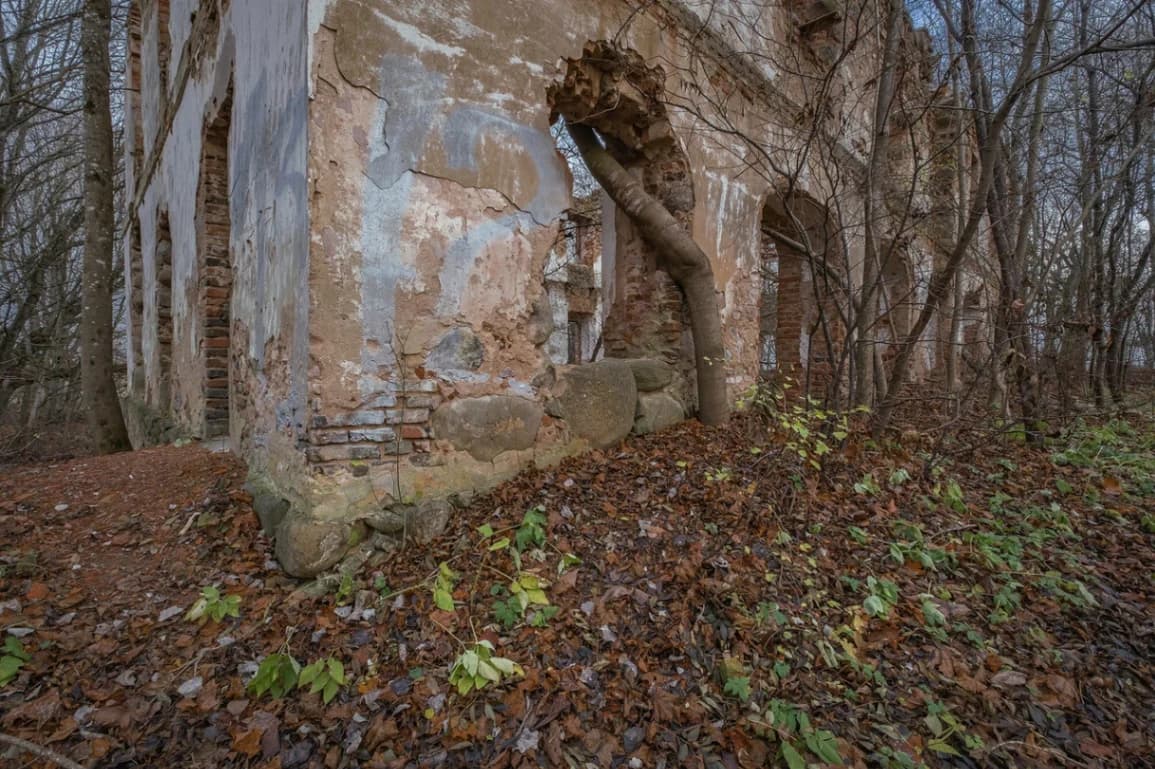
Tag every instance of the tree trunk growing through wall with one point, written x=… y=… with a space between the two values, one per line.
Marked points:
x=105 y=420
x=680 y=257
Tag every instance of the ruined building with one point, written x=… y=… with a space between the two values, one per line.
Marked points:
x=353 y=249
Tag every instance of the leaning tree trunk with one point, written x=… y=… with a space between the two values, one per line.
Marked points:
x=680 y=257
x=102 y=405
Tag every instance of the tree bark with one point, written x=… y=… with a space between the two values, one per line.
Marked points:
x=989 y=128
x=105 y=420
x=875 y=208
x=680 y=257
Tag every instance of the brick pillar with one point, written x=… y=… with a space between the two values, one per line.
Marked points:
x=136 y=306
x=163 y=261
x=645 y=320
x=216 y=272
x=790 y=311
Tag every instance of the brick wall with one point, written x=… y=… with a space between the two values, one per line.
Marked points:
x=647 y=319
x=215 y=268
x=164 y=311
x=136 y=300
x=387 y=426
x=800 y=299
x=133 y=85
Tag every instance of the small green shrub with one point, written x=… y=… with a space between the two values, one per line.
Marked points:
x=12 y=660
x=277 y=674
x=326 y=676
x=213 y=606
x=476 y=668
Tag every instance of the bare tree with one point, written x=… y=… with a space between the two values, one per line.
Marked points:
x=41 y=213
x=96 y=329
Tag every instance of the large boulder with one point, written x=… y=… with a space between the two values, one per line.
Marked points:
x=421 y=522
x=651 y=374
x=596 y=400
x=307 y=546
x=458 y=351
x=657 y=411
x=428 y=519
x=270 y=507
x=487 y=426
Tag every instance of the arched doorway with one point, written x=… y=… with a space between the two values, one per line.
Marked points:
x=800 y=331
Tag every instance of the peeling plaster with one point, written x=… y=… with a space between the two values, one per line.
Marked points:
x=397 y=154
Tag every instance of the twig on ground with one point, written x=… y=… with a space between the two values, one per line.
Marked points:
x=40 y=752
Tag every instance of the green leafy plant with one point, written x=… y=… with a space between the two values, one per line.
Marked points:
x=1070 y=591
x=943 y=726
x=898 y=759
x=542 y=616
x=344 y=589
x=738 y=686
x=14 y=657
x=443 y=586
x=529 y=589
x=806 y=428
x=277 y=674
x=567 y=560
x=912 y=547
x=512 y=602
x=326 y=676
x=212 y=605
x=507 y=609
x=951 y=495
x=932 y=615
x=532 y=529
x=719 y=475
x=1000 y=552
x=792 y=724
x=858 y=534
x=883 y=597
x=476 y=668
x=1007 y=601
x=898 y=478
x=867 y=486
x=770 y=612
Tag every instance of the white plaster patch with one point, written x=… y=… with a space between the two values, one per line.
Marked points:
x=316 y=12
x=418 y=39
x=533 y=67
x=524 y=389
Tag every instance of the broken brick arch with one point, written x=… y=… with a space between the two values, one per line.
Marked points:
x=801 y=266
x=215 y=267
x=612 y=103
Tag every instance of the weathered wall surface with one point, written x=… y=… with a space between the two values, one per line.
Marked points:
x=258 y=45
x=435 y=195
x=396 y=193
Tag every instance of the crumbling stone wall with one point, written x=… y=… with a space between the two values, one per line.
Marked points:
x=188 y=53
x=393 y=198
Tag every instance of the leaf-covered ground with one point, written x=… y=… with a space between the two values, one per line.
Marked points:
x=701 y=598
